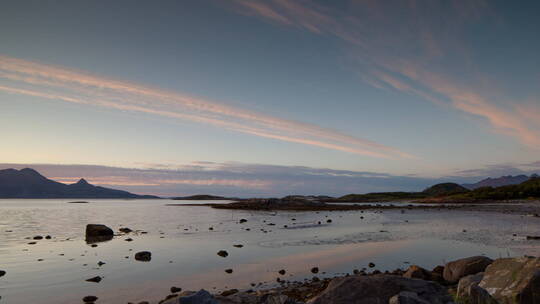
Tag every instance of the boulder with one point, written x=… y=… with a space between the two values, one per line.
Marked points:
x=379 y=289
x=469 y=292
x=98 y=233
x=277 y=299
x=455 y=270
x=143 y=256
x=513 y=280
x=2 y=273
x=417 y=272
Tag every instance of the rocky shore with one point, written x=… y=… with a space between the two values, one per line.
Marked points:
x=473 y=280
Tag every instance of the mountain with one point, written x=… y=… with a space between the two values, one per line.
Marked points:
x=498 y=182
x=28 y=183
x=445 y=189
x=527 y=189
x=202 y=197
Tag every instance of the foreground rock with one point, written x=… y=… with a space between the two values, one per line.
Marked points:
x=98 y=233
x=453 y=271
x=200 y=297
x=469 y=292
x=380 y=289
x=513 y=280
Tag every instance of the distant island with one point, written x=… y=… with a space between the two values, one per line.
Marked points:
x=28 y=183
x=202 y=197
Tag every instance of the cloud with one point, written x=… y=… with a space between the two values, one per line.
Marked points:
x=417 y=49
x=59 y=83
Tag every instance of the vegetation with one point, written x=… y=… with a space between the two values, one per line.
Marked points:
x=528 y=189
x=445 y=189
x=381 y=196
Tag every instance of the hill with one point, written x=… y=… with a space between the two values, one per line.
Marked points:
x=498 y=182
x=28 y=183
x=444 y=189
x=527 y=189
x=201 y=197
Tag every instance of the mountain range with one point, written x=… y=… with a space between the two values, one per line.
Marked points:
x=499 y=182
x=28 y=183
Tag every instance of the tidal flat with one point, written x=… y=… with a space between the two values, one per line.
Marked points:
x=184 y=242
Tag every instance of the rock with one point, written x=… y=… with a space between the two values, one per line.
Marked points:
x=94 y=280
x=282 y=272
x=379 y=289
x=100 y=263
x=143 y=256
x=407 y=297
x=417 y=272
x=242 y=221
x=469 y=292
x=2 y=273
x=315 y=270
x=229 y=270
x=455 y=270
x=200 y=297
x=38 y=237
x=125 y=230
x=223 y=253
x=48 y=237
x=175 y=289
x=238 y=245
x=533 y=237
x=90 y=299
x=276 y=299
x=371 y=265
x=98 y=233
x=513 y=280
x=227 y=293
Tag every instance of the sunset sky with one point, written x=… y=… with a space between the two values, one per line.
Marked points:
x=270 y=97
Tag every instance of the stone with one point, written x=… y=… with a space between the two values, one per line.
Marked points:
x=143 y=256
x=175 y=289
x=125 y=230
x=469 y=292
x=315 y=270
x=229 y=292
x=94 y=280
x=455 y=270
x=200 y=297
x=276 y=299
x=513 y=280
x=90 y=299
x=417 y=272
x=379 y=289
x=98 y=233
x=223 y=253
x=2 y=273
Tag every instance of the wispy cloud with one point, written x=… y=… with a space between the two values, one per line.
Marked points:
x=415 y=49
x=58 y=83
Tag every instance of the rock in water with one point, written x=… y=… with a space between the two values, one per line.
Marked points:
x=223 y=253
x=143 y=256
x=455 y=270
x=94 y=280
x=90 y=299
x=379 y=289
x=98 y=233
x=513 y=280
x=2 y=273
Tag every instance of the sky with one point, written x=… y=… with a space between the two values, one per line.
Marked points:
x=270 y=97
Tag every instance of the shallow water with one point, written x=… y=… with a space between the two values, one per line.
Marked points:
x=184 y=249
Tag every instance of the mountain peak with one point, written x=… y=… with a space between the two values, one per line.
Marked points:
x=82 y=181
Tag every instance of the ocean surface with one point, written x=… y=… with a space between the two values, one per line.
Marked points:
x=184 y=241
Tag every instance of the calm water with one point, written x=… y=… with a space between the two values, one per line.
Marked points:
x=184 y=249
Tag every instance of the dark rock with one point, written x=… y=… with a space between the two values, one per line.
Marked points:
x=229 y=270
x=125 y=230
x=315 y=270
x=2 y=273
x=455 y=270
x=407 y=297
x=90 y=299
x=223 y=253
x=282 y=272
x=371 y=265
x=38 y=237
x=238 y=246
x=175 y=289
x=94 y=279
x=143 y=256
x=242 y=221
x=98 y=233
x=469 y=292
